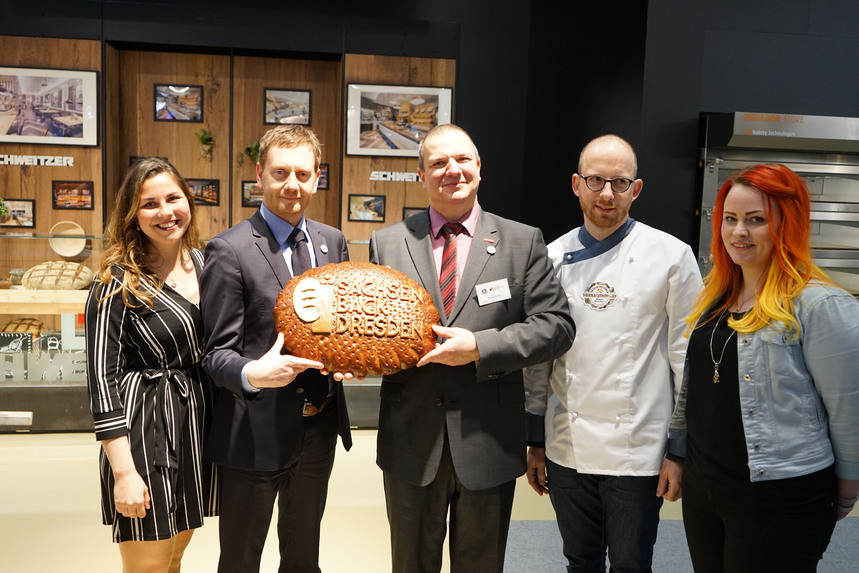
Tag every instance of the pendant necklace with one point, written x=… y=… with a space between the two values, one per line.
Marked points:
x=716 y=378
x=170 y=281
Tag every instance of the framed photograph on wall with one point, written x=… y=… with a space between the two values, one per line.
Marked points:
x=368 y=208
x=206 y=191
x=178 y=103
x=323 y=176
x=286 y=106
x=409 y=211
x=251 y=194
x=46 y=106
x=20 y=213
x=392 y=120
x=71 y=194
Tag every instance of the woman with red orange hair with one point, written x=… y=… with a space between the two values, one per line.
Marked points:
x=769 y=403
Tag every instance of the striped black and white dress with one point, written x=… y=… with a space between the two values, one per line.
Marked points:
x=146 y=381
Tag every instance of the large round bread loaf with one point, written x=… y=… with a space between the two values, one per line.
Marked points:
x=356 y=317
x=60 y=275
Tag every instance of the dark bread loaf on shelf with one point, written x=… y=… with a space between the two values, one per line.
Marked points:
x=356 y=317
x=59 y=275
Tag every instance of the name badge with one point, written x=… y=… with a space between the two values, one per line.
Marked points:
x=492 y=292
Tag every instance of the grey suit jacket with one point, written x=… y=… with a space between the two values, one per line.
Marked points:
x=480 y=405
x=244 y=272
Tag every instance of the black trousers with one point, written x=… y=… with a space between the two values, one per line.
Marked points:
x=479 y=523
x=247 y=501
x=777 y=526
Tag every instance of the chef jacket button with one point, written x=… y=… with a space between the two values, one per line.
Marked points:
x=751 y=411
x=746 y=341
x=439 y=402
x=299 y=390
x=762 y=473
x=747 y=377
x=757 y=447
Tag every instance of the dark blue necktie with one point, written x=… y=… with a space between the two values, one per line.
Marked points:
x=300 y=253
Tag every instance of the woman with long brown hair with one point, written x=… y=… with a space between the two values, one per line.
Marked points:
x=150 y=399
x=770 y=398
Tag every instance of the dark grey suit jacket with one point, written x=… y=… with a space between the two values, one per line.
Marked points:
x=481 y=405
x=244 y=272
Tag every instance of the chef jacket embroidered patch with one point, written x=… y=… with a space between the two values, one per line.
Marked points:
x=599 y=296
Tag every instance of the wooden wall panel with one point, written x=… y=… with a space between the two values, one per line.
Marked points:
x=34 y=181
x=322 y=78
x=141 y=135
x=113 y=135
x=369 y=69
x=131 y=130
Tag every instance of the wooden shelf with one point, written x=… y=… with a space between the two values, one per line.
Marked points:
x=26 y=301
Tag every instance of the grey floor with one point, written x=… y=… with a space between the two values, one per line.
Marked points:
x=50 y=521
x=536 y=546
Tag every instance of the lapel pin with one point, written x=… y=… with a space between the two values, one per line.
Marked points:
x=488 y=240
x=324 y=249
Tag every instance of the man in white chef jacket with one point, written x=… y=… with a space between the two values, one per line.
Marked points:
x=598 y=415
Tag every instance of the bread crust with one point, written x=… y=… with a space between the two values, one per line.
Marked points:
x=356 y=317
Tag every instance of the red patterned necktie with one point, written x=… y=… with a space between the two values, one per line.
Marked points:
x=447 y=276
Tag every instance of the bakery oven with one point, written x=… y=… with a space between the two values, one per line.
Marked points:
x=824 y=150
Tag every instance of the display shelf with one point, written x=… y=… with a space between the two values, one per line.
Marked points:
x=28 y=301
x=18 y=235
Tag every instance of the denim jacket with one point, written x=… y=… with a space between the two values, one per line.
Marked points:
x=799 y=395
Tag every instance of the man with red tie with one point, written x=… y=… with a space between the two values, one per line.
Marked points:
x=452 y=431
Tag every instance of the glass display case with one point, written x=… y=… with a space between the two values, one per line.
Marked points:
x=43 y=382
x=42 y=347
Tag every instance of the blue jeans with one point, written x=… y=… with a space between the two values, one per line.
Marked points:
x=596 y=513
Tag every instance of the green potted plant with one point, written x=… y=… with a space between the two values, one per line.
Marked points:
x=252 y=151
x=3 y=210
x=207 y=140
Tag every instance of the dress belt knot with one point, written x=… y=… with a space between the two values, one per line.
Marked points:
x=172 y=391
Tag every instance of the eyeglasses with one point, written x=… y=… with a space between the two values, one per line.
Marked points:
x=618 y=184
